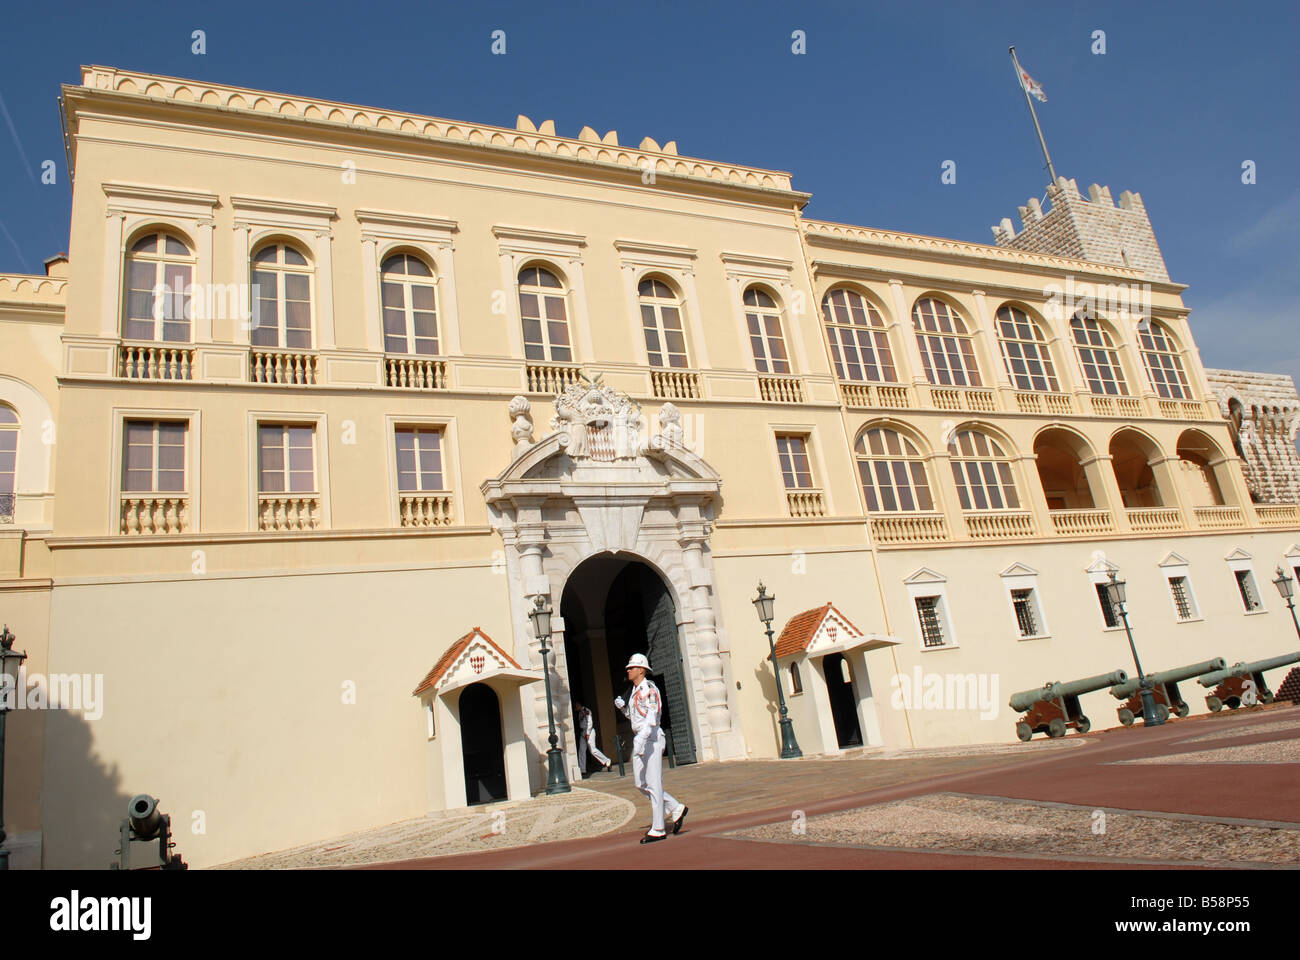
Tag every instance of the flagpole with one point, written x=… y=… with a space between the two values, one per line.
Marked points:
x=1043 y=143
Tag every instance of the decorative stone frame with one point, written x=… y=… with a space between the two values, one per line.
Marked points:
x=517 y=246
x=450 y=448
x=637 y=260
x=816 y=465
x=927 y=583
x=1099 y=572
x=744 y=270
x=1172 y=567
x=193 y=419
x=1238 y=561
x=320 y=449
x=133 y=206
x=33 y=493
x=1020 y=577
x=384 y=232
x=258 y=219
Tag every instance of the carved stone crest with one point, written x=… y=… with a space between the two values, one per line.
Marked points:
x=596 y=422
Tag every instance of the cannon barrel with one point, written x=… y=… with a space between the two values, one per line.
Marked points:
x=1242 y=669
x=1027 y=698
x=1125 y=690
x=144 y=815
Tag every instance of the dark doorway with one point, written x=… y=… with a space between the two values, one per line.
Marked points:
x=630 y=610
x=844 y=705
x=481 y=744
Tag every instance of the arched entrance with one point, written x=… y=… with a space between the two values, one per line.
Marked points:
x=844 y=704
x=613 y=607
x=481 y=744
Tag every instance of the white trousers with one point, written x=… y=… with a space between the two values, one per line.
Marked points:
x=589 y=743
x=648 y=775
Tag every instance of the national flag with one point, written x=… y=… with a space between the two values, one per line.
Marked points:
x=1032 y=86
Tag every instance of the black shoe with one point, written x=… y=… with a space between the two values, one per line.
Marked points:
x=677 y=824
x=651 y=838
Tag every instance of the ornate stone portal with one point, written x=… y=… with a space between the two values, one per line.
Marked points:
x=600 y=483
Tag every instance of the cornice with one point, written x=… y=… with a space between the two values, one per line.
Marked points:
x=405 y=222
x=639 y=248
x=243 y=206
x=154 y=194
x=530 y=235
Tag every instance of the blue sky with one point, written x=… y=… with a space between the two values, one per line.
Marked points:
x=1185 y=93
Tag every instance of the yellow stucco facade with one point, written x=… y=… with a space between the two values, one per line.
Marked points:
x=261 y=532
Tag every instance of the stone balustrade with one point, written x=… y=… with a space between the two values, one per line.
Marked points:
x=1277 y=514
x=999 y=524
x=1219 y=517
x=676 y=384
x=550 y=378
x=889 y=396
x=963 y=398
x=1155 y=519
x=149 y=513
x=155 y=361
x=425 y=509
x=909 y=528
x=283 y=367
x=805 y=503
x=280 y=512
x=778 y=389
x=1080 y=523
x=415 y=373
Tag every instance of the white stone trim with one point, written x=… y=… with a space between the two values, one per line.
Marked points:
x=928 y=583
x=382 y=232
x=1018 y=576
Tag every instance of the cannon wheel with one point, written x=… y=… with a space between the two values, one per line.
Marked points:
x=1214 y=703
x=1083 y=725
x=1162 y=712
x=1233 y=703
x=1266 y=697
x=1056 y=729
x=1182 y=710
x=1024 y=732
x=1126 y=716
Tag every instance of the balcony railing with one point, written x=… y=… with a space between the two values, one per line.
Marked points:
x=1154 y=519
x=1038 y=402
x=1117 y=406
x=283 y=367
x=999 y=524
x=551 y=378
x=288 y=511
x=415 y=373
x=1078 y=523
x=1269 y=514
x=954 y=398
x=676 y=384
x=777 y=389
x=429 y=508
x=147 y=513
x=155 y=361
x=805 y=503
x=890 y=396
x=1219 y=517
x=909 y=528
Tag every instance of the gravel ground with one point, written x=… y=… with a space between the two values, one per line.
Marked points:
x=994 y=826
x=582 y=813
x=1278 y=751
x=1272 y=727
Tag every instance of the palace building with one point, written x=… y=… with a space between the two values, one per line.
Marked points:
x=323 y=397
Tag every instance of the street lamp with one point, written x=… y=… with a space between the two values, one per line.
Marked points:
x=556 y=781
x=1286 y=586
x=9 y=664
x=1115 y=592
x=764 y=604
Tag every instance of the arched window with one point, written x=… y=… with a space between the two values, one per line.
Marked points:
x=1024 y=350
x=892 y=471
x=159 y=271
x=410 y=305
x=982 y=472
x=281 y=298
x=859 y=343
x=946 y=350
x=1098 y=357
x=8 y=461
x=541 y=308
x=661 y=321
x=1163 y=363
x=763 y=318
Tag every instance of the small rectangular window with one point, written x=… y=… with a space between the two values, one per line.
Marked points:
x=286 y=459
x=1249 y=595
x=792 y=451
x=1182 y=598
x=1026 y=618
x=1108 y=611
x=927 y=609
x=153 y=456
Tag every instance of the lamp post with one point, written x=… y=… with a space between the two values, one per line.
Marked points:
x=1286 y=586
x=764 y=604
x=1115 y=592
x=10 y=663
x=556 y=781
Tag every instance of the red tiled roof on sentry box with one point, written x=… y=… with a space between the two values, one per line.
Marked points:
x=800 y=629
x=453 y=653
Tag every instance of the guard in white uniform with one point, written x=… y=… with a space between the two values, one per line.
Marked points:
x=587 y=740
x=648 y=747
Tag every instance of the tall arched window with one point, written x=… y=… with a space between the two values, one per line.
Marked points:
x=1163 y=362
x=159 y=271
x=946 y=350
x=541 y=308
x=281 y=298
x=892 y=471
x=1024 y=350
x=410 y=305
x=763 y=317
x=982 y=472
x=8 y=461
x=661 y=322
x=1098 y=357
x=859 y=343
